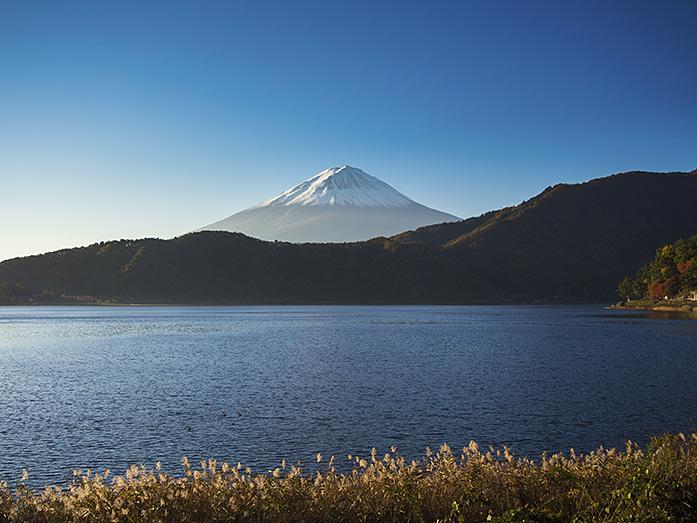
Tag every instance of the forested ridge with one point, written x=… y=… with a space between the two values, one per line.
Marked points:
x=231 y=267
x=570 y=243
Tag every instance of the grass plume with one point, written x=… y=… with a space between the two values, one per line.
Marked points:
x=657 y=483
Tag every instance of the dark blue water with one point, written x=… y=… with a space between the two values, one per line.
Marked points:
x=105 y=387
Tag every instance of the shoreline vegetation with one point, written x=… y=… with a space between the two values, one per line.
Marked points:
x=665 y=305
x=655 y=483
x=668 y=283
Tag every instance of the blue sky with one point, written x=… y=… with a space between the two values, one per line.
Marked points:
x=132 y=119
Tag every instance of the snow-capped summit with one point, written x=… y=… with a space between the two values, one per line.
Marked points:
x=341 y=186
x=341 y=204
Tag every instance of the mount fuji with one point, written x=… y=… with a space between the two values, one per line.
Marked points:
x=341 y=204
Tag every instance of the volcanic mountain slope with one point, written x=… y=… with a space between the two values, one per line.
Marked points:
x=342 y=204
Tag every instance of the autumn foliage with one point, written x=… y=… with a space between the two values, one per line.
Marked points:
x=672 y=274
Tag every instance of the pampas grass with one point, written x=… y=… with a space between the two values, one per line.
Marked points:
x=657 y=483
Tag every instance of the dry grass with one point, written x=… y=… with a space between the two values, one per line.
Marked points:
x=658 y=483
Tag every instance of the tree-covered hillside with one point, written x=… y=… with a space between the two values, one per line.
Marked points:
x=573 y=241
x=226 y=267
x=570 y=243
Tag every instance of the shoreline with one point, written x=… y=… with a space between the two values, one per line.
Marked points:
x=640 y=483
x=281 y=303
x=665 y=305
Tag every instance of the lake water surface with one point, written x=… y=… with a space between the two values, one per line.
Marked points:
x=105 y=387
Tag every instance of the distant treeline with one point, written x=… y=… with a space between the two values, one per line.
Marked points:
x=570 y=243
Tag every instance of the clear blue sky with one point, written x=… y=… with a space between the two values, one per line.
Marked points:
x=131 y=119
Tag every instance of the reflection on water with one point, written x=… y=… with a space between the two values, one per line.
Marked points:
x=665 y=315
x=104 y=387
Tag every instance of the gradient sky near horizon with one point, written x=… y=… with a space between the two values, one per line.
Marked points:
x=131 y=118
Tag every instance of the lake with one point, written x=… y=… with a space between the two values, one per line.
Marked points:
x=105 y=387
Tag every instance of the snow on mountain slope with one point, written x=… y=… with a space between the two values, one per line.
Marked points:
x=342 y=204
x=341 y=186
